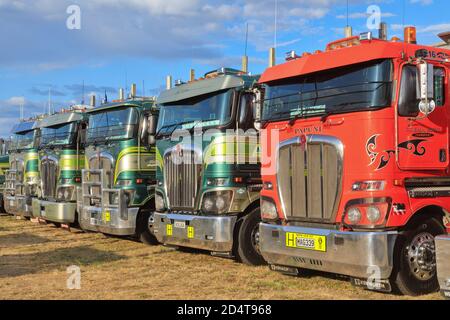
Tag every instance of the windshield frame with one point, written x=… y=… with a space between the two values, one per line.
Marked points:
x=286 y=113
x=69 y=140
x=130 y=131
x=232 y=105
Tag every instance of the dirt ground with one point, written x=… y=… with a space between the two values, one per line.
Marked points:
x=34 y=260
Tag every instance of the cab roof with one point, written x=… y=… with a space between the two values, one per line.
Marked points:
x=219 y=80
x=25 y=126
x=61 y=118
x=365 y=51
x=138 y=102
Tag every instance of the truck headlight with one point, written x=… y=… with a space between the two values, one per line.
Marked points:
x=268 y=210
x=217 y=202
x=160 y=206
x=367 y=213
x=65 y=193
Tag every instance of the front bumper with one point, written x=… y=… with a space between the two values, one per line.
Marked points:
x=354 y=254
x=62 y=212
x=212 y=233
x=443 y=263
x=108 y=220
x=18 y=206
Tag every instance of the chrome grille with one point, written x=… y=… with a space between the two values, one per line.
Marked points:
x=310 y=177
x=49 y=174
x=182 y=178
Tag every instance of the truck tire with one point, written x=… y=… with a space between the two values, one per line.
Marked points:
x=143 y=232
x=248 y=239
x=415 y=259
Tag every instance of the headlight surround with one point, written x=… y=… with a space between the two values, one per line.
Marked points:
x=65 y=193
x=160 y=205
x=367 y=213
x=269 y=210
x=217 y=202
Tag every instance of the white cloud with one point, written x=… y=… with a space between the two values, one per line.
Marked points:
x=364 y=15
x=422 y=2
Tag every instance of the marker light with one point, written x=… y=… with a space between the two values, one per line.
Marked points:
x=411 y=35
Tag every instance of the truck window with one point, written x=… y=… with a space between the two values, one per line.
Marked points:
x=354 y=88
x=408 y=101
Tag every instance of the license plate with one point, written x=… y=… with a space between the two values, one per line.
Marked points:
x=11 y=203
x=306 y=241
x=43 y=213
x=190 y=232
x=106 y=217
x=94 y=222
x=169 y=230
x=180 y=224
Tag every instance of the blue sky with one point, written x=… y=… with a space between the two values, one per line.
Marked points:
x=126 y=41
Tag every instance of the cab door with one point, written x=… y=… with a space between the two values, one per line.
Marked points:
x=422 y=140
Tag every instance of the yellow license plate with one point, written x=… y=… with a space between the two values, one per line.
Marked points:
x=190 y=232
x=106 y=217
x=169 y=230
x=306 y=241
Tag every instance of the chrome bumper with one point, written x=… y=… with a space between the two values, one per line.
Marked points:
x=96 y=219
x=211 y=233
x=354 y=254
x=62 y=212
x=443 y=263
x=17 y=205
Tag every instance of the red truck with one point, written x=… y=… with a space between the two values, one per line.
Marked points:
x=355 y=162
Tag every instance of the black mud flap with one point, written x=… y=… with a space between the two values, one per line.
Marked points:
x=373 y=285
x=291 y=271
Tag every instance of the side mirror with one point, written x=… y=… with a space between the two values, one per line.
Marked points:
x=151 y=128
x=144 y=128
x=244 y=111
x=425 y=90
x=257 y=108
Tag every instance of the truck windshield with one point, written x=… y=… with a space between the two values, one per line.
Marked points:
x=354 y=88
x=205 y=111
x=23 y=140
x=117 y=124
x=58 y=135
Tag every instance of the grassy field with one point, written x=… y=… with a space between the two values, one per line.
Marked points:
x=34 y=260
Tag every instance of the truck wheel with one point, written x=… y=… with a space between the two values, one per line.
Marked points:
x=142 y=230
x=415 y=259
x=248 y=239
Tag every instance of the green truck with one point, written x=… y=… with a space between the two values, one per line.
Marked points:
x=117 y=192
x=61 y=159
x=22 y=178
x=208 y=170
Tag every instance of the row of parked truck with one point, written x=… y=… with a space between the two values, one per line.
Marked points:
x=336 y=161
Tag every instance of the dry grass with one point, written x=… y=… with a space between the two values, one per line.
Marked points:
x=34 y=258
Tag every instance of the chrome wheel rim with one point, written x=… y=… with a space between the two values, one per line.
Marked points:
x=255 y=238
x=421 y=255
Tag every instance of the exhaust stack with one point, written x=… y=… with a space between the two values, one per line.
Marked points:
x=348 y=31
x=133 y=90
x=245 y=64
x=121 y=94
x=272 y=61
x=93 y=102
x=169 y=82
x=383 y=32
x=192 y=75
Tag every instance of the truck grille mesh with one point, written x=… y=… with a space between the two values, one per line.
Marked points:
x=182 y=178
x=310 y=178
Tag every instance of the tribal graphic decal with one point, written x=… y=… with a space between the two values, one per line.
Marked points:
x=385 y=156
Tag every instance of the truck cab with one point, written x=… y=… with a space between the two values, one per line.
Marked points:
x=356 y=179
x=117 y=192
x=208 y=170
x=61 y=159
x=22 y=177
